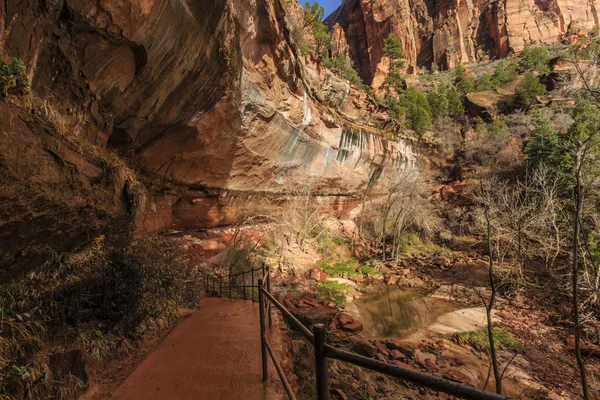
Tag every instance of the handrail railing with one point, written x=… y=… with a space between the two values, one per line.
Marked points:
x=213 y=284
x=323 y=351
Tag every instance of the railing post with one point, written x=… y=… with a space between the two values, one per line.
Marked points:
x=269 y=290
x=263 y=346
x=321 y=363
x=230 y=296
x=252 y=287
x=213 y=282
x=220 y=286
x=244 y=284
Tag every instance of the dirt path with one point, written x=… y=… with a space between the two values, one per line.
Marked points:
x=214 y=354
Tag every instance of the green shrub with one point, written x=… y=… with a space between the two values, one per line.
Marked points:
x=528 y=90
x=479 y=339
x=438 y=103
x=498 y=128
x=534 y=59
x=485 y=83
x=505 y=72
x=350 y=268
x=332 y=291
x=462 y=81
x=13 y=77
x=342 y=67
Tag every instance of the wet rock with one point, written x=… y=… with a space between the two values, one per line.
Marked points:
x=363 y=347
x=350 y=324
x=381 y=357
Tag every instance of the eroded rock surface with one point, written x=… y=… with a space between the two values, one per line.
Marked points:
x=206 y=100
x=452 y=32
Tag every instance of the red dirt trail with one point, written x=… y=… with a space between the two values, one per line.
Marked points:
x=212 y=355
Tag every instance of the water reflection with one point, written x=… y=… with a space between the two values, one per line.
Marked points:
x=392 y=312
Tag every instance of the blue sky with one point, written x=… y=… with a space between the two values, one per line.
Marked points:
x=329 y=5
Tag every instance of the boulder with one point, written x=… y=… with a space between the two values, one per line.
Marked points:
x=363 y=347
x=350 y=324
x=320 y=315
x=316 y=274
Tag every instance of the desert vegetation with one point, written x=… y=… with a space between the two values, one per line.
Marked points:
x=500 y=217
x=99 y=302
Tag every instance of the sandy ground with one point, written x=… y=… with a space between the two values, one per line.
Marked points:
x=214 y=354
x=463 y=320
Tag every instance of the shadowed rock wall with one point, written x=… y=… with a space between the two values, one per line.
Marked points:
x=205 y=100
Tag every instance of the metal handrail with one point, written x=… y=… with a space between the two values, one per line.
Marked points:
x=324 y=351
x=213 y=283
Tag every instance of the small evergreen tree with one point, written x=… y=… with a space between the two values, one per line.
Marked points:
x=417 y=110
x=463 y=82
x=313 y=18
x=392 y=47
x=543 y=146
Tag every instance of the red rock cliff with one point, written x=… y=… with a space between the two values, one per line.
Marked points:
x=203 y=99
x=450 y=32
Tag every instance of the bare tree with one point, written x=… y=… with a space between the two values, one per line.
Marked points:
x=582 y=143
x=486 y=199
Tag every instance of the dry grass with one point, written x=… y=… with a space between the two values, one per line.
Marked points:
x=122 y=175
x=102 y=300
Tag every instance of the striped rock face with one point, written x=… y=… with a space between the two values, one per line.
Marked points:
x=453 y=32
x=208 y=101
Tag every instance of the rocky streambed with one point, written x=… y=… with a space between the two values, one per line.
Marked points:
x=412 y=328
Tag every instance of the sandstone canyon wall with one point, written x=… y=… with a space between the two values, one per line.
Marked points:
x=204 y=100
x=452 y=32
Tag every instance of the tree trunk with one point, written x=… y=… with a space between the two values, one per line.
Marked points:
x=575 y=254
x=490 y=307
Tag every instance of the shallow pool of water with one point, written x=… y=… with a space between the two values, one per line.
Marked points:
x=393 y=312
